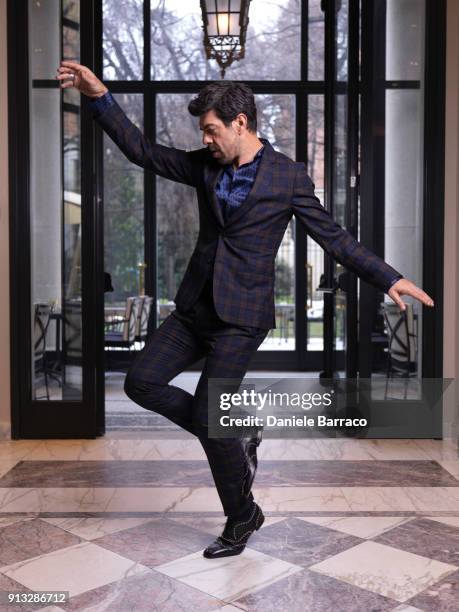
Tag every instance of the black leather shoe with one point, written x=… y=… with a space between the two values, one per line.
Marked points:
x=250 y=450
x=235 y=535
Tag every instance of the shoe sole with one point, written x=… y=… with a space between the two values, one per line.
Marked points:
x=235 y=551
x=229 y=553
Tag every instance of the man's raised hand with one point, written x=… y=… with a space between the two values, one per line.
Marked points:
x=72 y=74
x=405 y=287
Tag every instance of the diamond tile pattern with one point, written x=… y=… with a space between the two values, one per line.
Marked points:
x=335 y=557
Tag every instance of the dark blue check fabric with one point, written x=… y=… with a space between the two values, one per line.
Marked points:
x=234 y=186
x=240 y=252
x=101 y=104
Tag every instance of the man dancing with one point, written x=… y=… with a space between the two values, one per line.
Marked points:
x=247 y=194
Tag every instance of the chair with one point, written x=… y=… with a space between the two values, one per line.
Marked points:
x=286 y=316
x=163 y=311
x=402 y=340
x=73 y=332
x=143 y=318
x=125 y=337
x=42 y=313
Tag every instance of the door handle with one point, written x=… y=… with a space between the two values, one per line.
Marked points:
x=338 y=283
x=324 y=288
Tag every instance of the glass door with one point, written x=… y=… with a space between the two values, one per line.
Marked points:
x=54 y=369
x=337 y=285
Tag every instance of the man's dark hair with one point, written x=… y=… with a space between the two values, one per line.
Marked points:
x=227 y=99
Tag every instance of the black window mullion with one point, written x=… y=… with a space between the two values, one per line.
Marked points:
x=146 y=41
x=150 y=217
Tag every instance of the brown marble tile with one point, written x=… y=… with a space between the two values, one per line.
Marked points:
x=354 y=473
x=320 y=473
x=148 y=592
x=156 y=542
x=21 y=541
x=427 y=538
x=9 y=585
x=109 y=473
x=301 y=543
x=308 y=591
x=441 y=597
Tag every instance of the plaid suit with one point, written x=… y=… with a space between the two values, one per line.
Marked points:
x=225 y=303
x=242 y=250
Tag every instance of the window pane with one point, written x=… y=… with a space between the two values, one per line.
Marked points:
x=123 y=213
x=342 y=24
x=315 y=254
x=71 y=30
x=403 y=246
x=405 y=39
x=55 y=208
x=176 y=204
x=123 y=39
x=45 y=36
x=178 y=53
x=276 y=122
x=44 y=39
x=55 y=218
x=316 y=41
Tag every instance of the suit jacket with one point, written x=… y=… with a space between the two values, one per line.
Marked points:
x=240 y=252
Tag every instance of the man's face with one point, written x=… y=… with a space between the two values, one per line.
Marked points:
x=221 y=140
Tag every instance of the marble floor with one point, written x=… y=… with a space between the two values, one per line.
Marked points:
x=120 y=523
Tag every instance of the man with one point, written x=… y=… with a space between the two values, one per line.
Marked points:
x=247 y=193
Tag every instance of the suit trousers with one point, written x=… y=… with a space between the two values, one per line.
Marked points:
x=180 y=340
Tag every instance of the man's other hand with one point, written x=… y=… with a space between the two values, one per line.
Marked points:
x=71 y=74
x=405 y=287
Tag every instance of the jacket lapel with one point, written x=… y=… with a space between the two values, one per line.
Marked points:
x=212 y=174
x=262 y=179
x=262 y=183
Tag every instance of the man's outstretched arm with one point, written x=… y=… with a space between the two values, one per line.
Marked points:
x=344 y=248
x=174 y=164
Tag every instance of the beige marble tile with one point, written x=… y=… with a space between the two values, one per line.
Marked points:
x=213 y=525
x=451 y=466
x=339 y=448
x=434 y=499
x=114 y=449
x=199 y=499
x=230 y=577
x=271 y=499
x=361 y=526
x=452 y=521
x=10 y=519
x=185 y=499
x=272 y=520
x=439 y=449
x=373 y=499
x=16 y=450
x=159 y=499
x=384 y=570
x=303 y=499
x=54 y=499
x=90 y=528
x=406 y=608
x=362 y=449
x=76 y=569
x=392 y=450
x=7 y=465
x=67 y=450
x=288 y=450
x=125 y=499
